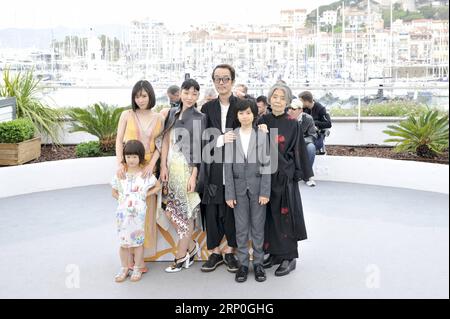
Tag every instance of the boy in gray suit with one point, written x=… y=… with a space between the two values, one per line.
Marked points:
x=247 y=187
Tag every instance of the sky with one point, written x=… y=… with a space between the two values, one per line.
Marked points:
x=176 y=14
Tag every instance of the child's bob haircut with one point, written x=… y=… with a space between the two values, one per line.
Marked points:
x=244 y=104
x=134 y=147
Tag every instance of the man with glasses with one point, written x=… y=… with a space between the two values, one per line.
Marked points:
x=221 y=114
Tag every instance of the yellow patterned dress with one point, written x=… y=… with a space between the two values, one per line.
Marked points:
x=182 y=207
x=150 y=137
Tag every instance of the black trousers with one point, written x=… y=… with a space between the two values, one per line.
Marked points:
x=219 y=223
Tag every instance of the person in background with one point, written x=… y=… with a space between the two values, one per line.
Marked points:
x=321 y=118
x=210 y=94
x=240 y=91
x=306 y=121
x=173 y=93
x=263 y=106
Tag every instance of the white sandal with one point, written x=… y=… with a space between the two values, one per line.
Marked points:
x=122 y=274
x=179 y=264
x=136 y=275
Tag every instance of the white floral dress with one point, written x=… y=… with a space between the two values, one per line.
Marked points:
x=132 y=208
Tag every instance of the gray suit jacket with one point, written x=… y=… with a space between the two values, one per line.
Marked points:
x=251 y=173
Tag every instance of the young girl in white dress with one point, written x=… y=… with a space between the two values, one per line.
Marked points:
x=131 y=194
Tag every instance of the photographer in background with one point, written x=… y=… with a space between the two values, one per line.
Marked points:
x=322 y=119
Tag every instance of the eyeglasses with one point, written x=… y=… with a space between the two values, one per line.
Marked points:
x=225 y=80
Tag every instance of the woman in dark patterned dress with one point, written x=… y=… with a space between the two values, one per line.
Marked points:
x=285 y=225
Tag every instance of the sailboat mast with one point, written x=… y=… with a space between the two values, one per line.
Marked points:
x=344 y=45
x=369 y=46
x=391 y=56
x=317 y=45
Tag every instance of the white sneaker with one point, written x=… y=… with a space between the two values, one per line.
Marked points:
x=311 y=183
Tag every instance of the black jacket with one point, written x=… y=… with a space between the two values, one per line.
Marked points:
x=319 y=113
x=193 y=122
x=211 y=175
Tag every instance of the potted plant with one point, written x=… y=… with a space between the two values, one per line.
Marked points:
x=18 y=143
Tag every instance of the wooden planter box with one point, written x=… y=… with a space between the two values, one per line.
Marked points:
x=16 y=154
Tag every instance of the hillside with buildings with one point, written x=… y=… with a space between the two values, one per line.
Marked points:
x=354 y=41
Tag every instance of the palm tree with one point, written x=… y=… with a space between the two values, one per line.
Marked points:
x=426 y=135
x=99 y=120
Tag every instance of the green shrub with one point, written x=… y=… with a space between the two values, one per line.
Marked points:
x=337 y=111
x=88 y=149
x=99 y=120
x=392 y=108
x=16 y=131
x=426 y=135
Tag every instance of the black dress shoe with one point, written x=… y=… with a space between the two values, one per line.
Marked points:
x=214 y=261
x=286 y=267
x=271 y=261
x=232 y=262
x=268 y=262
x=241 y=274
x=260 y=273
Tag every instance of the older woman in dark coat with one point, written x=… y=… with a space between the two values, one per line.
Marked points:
x=285 y=225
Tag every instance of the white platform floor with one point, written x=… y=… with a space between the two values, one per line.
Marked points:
x=364 y=242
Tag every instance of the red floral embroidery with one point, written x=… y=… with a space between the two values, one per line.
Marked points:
x=281 y=139
x=284 y=210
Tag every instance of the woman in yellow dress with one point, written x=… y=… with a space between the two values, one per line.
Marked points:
x=143 y=124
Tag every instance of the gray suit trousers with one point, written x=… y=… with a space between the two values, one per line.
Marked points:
x=250 y=218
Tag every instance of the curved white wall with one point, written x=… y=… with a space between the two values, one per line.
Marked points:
x=47 y=176
x=384 y=172
x=30 y=178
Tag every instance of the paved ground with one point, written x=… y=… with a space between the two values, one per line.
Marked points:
x=364 y=242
